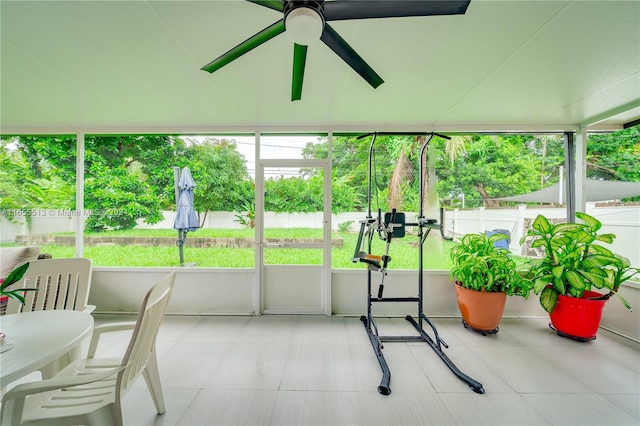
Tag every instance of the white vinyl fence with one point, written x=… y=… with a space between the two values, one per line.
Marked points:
x=623 y=221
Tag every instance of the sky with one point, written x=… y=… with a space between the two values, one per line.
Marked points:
x=272 y=147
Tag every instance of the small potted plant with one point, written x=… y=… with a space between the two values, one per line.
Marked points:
x=484 y=275
x=15 y=276
x=574 y=263
x=16 y=294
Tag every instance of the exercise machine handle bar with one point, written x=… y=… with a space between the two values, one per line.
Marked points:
x=423 y=150
x=373 y=141
x=403 y=134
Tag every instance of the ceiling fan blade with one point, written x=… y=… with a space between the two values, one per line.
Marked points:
x=271 y=4
x=336 y=43
x=299 y=60
x=339 y=10
x=265 y=35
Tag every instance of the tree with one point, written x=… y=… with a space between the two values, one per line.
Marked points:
x=149 y=160
x=22 y=189
x=57 y=152
x=150 y=157
x=491 y=167
x=350 y=165
x=222 y=180
x=401 y=179
x=614 y=156
x=306 y=194
x=292 y=194
x=550 y=150
x=118 y=199
x=404 y=173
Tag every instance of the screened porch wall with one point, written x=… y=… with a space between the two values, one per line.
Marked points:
x=207 y=291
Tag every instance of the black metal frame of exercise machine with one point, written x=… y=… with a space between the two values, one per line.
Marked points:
x=393 y=226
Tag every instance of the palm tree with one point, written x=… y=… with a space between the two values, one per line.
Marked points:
x=404 y=170
x=401 y=177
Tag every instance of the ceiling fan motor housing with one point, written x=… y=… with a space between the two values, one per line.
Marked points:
x=315 y=5
x=304 y=20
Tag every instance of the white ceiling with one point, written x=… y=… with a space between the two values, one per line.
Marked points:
x=134 y=66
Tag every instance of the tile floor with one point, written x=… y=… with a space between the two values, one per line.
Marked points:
x=316 y=370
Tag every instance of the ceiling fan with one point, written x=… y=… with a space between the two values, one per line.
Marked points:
x=307 y=21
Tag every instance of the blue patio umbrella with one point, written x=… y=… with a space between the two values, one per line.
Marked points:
x=186 y=219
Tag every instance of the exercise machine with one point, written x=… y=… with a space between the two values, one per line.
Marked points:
x=393 y=225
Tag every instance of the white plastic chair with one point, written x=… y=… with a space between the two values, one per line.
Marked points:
x=89 y=391
x=61 y=283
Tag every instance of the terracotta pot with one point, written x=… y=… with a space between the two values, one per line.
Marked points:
x=578 y=317
x=480 y=309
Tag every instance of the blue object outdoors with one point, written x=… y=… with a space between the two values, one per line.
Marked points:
x=186 y=219
x=502 y=243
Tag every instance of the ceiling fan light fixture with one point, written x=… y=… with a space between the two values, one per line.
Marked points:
x=304 y=25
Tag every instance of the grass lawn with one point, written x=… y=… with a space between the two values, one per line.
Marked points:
x=403 y=251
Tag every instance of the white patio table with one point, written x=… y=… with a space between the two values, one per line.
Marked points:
x=40 y=340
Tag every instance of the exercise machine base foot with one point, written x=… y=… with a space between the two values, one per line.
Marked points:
x=376 y=343
x=436 y=344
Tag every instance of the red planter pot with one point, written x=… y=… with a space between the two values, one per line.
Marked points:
x=578 y=317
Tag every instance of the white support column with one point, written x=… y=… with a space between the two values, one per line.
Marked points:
x=561 y=191
x=327 y=225
x=259 y=228
x=519 y=232
x=80 y=214
x=581 y=169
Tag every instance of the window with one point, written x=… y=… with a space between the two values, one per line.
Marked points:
x=37 y=193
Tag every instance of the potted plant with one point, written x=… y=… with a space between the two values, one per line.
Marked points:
x=484 y=275
x=574 y=263
x=15 y=276
x=16 y=294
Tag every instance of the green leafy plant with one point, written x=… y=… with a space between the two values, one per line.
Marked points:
x=344 y=226
x=574 y=261
x=478 y=264
x=13 y=278
x=247 y=217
